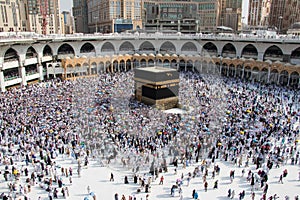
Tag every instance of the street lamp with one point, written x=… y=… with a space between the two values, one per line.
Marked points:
x=16 y=17
x=280 y=23
x=144 y=18
x=197 y=26
x=96 y=18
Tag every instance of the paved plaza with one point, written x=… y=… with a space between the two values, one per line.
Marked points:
x=65 y=139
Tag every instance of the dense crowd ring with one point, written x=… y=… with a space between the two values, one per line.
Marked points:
x=97 y=118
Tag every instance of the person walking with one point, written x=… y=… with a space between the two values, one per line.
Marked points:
x=216 y=184
x=88 y=189
x=116 y=196
x=161 y=182
x=111 y=177
x=205 y=186
x=196 y=196
x=253 y=195
x=280 y=179
x=232 y=194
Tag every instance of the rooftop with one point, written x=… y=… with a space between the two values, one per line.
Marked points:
x=156 y=69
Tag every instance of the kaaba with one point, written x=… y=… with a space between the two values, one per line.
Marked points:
x=157 y=86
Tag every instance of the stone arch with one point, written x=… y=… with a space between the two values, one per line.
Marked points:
x=69 y=70
x=174 y=63
x=274 y=76
x=189 y=46
x=108 y=67
x=85 y=69
x=159 y=61
x=101 y=67
x=150 y=62
x=264 y=75
x=135 y=63
x=107 y=47
x=247 y=72
x=87 y=48
x=128 y=64
x=296 y=53
x=115 y=66
x=224 y=69
x=181 y=64
x=249 y=51
x=197 y=66
x=189 y=65
x=127 y=46
x=76 y=70
x=47 y=51
x=167 y=47
x=239 y=71
x=147 y=46
x=273 y=53
x=166 y=63
x=65 y=49
x=229 y=50
x=294 y=79
x=284 y=76
x=210 y=49
x=255 y=69
x=143 y=62
x=122 y=65
x=11 y=55
x=210 y=67
x=255 y=74
x=295 y=56
x=30 y=53
x=204 y=66
x=93 y=68
x=231 y=69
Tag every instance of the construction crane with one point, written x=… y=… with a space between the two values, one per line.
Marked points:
x=44 y=13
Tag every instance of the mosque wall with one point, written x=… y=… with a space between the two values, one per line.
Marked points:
x=31 y=60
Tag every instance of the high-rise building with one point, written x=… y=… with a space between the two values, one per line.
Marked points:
x=209 y=14
x=284 y=13
x=182 y=16
x=67 y=23
x=108 y=16
x=80 y=13
x=231 y=14
x=259 y=11
x=40 y=16
x=12 y=16
x=43 y=16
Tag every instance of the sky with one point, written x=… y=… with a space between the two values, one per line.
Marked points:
x=66 y=5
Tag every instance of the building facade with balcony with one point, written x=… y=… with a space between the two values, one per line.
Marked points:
x=109 y=16
x=231 y=14
x=80 y=13
x=43 y=16
x=180 y=16
x=39 y=16
x=294 y=29
x=67 y=23
x=259 y=11
x=284 y=13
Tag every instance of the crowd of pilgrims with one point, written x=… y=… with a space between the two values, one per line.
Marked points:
x=98 y=118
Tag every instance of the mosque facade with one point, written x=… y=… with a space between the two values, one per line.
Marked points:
x=267 y=60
